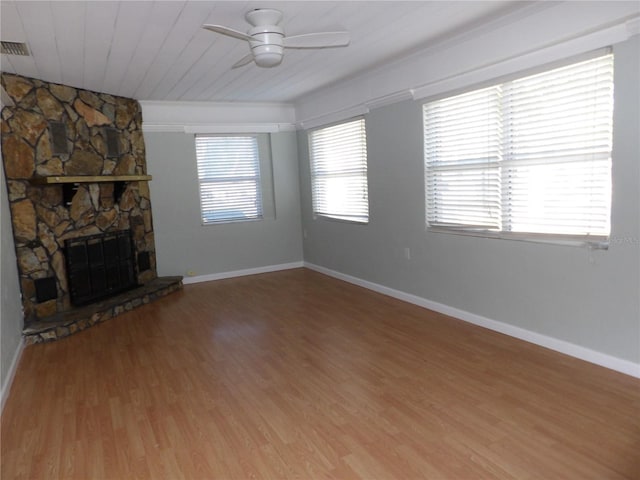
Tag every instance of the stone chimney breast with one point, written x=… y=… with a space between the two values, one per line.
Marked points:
x=58 y=194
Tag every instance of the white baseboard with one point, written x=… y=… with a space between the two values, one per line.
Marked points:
x=6 y=386
x=586 y=354
x=242 y=273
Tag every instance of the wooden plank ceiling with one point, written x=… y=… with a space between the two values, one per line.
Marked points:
x=157 y=50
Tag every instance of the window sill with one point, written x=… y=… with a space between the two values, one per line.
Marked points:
x=235 y=220
x=339 y=219
x=592 y=243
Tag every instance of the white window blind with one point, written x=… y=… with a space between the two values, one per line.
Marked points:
x=229 y=178
x=526 y=157
x=339 y=171
x=462 y=153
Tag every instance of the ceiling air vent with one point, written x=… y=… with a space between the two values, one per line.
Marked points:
x=14 y=48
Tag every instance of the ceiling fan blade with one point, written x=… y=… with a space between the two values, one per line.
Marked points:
x=229 y=32
x=243 y=61
x=317 y=40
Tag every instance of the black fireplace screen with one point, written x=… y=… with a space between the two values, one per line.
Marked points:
x=99 y=266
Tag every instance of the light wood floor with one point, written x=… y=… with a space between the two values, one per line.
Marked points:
x=297 y=375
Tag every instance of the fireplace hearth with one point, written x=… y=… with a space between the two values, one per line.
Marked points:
x=74 y=320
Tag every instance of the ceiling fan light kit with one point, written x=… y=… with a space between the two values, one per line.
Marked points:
x=267 y=46
x=267 y=39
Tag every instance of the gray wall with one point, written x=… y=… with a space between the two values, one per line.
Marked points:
x=184 y=245
x=10 y=304
x=588 y=298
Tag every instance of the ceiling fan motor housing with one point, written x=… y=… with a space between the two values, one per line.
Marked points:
x=267 y=47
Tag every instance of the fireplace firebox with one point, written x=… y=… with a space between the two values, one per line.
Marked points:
x=99 y=266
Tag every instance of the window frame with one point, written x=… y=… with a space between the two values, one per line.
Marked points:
x=344 y=218
x=584 y=240
x=257 y=178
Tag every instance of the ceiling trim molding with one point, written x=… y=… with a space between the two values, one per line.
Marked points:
x=220 y=128
x=217 y=117
x=355 y=111
x=390 y=99
x=162 y=128
x=463 y=62
x=240 y=128
x=333 y=117
x=548 y=54
x=633 y=26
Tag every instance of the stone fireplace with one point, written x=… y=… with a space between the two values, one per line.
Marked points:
x=75 y=168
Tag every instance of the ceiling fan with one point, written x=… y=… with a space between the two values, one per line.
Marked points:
x=268 y=41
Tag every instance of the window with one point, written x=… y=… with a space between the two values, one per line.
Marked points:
x=339 y=171
x=526 y=158
x=229 y=178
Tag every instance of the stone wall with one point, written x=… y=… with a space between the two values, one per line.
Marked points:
x=41 y=219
